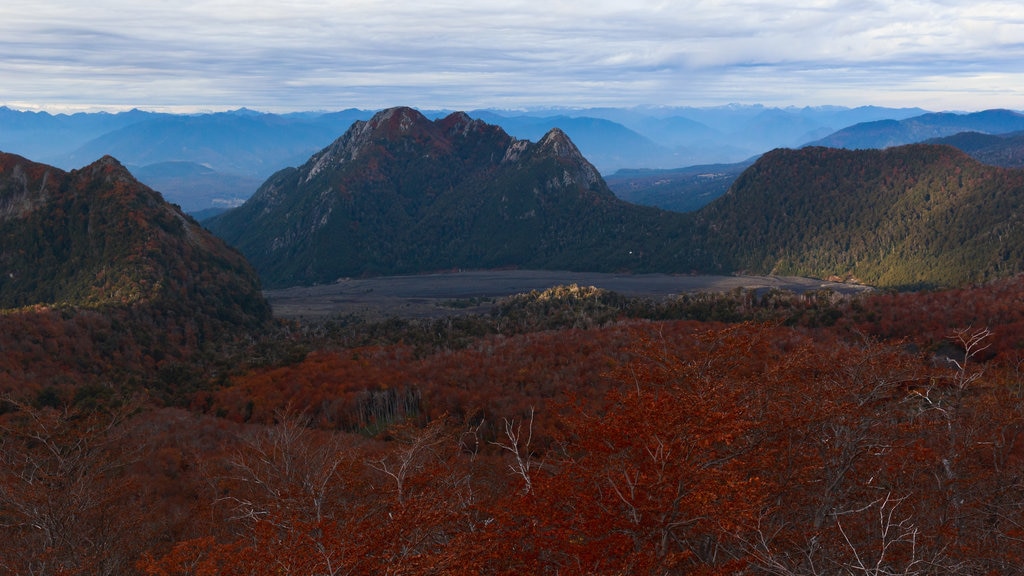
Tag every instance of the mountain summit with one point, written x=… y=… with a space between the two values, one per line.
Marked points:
x=400 y=193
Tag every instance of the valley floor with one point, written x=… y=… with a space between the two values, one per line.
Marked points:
x=475 y=292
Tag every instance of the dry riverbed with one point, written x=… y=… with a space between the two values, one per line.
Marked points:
x=438 y=295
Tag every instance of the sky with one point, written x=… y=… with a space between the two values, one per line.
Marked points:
x=281 y=55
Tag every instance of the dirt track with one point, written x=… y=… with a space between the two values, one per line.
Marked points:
x=433 y=295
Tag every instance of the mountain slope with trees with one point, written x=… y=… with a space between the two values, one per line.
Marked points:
x=104 y=284
x=401 y=194
x=575 y=431
x=910 y=216
x=96 y=236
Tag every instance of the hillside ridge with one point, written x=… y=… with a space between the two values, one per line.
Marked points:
x=95 y=237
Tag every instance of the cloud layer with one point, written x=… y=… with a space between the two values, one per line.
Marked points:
x=310 y=55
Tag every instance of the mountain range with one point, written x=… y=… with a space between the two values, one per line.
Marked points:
x=1006 y=150
x=400 y=192
x=403 y=194
x=893 y=132
x=217 y=160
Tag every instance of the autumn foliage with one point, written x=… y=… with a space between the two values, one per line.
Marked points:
x=637 y=447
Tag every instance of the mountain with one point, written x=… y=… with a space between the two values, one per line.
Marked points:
x=680 y=190
x=402 y=194
x=96 y=238
x=238 y=149
x=908 y=216
x=607 y=144
x=240 y=142
x=48 y=137
x=885 y=133
x=1006 y=150
x=195 y=187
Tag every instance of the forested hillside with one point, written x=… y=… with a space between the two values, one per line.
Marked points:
x=911 y=216
x=101 y=276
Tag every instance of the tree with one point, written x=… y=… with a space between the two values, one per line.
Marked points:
x=66 y=501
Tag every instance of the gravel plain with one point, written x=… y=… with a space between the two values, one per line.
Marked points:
x=475 y=292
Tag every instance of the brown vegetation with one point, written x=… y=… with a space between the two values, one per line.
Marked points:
x=620 y=446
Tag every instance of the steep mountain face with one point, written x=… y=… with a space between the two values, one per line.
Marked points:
x=96 y=238
x=909 y=216
x=400 y=193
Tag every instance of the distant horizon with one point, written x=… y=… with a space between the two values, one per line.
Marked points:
x=190 y=110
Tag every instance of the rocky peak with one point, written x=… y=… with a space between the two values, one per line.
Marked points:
x=108 y=169
x=25 y=185
x=556 y=144
x=460 y=123
x=390 y=125
x=397 y=121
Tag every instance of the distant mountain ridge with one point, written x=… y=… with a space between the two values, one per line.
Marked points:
x=679 y=190
x=886 y=133
x=244 y=147
x=1006 y=150
x=239 y=149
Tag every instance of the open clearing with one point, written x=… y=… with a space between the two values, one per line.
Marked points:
x=439 y=295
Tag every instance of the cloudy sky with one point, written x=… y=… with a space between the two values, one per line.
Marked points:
x=281 y=55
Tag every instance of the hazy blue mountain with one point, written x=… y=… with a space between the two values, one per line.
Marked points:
x=1006 y=150
x=195 y=187
x=885 y=133
x=606 y=144
x=240 y=143
x=679 y=189
x=687 y=136
x=217 y=161
x=734 y=118
x=48 y=137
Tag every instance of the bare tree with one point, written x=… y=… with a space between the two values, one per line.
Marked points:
x=61 y=479
x=519 y=447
